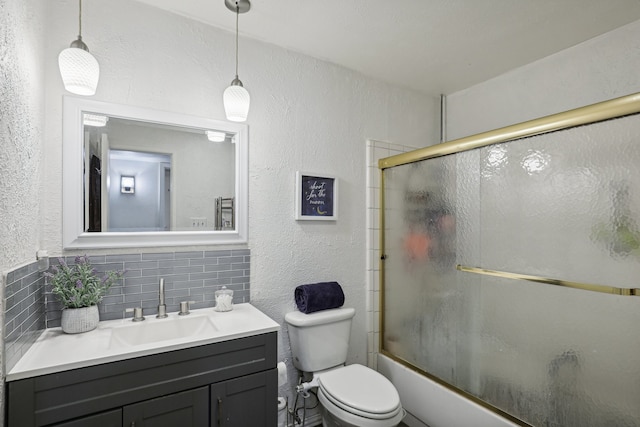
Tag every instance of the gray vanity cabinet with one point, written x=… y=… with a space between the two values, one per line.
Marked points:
x=229 y=384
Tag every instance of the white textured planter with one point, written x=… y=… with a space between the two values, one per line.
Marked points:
x=78 y=320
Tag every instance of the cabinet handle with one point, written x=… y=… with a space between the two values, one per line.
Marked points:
x=219 y=412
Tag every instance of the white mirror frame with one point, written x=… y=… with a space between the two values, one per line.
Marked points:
x=73 y=234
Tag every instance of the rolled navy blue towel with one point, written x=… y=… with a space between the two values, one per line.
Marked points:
x=318 y=296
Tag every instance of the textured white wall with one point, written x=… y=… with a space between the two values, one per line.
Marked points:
x=21 y=123
x=305 y=115
x=602 y=68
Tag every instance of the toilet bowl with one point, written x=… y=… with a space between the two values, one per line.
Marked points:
x=352 y=395
x=356 y=396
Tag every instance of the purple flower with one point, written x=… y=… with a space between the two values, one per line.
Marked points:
x=79 y=284
x=62 y=262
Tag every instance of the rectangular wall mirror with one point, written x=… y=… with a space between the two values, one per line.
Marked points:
x=141 y=177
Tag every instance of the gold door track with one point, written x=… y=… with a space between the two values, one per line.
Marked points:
x=557 y=282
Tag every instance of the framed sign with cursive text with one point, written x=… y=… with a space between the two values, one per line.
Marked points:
x=316 y=197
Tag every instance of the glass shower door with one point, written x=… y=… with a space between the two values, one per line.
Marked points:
x=554 y=210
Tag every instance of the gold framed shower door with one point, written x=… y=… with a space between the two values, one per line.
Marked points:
x=615 y=108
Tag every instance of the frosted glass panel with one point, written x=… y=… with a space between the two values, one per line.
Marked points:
x=420 y=238
x=564 y=205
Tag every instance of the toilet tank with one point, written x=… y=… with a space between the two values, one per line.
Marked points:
x=319 y=340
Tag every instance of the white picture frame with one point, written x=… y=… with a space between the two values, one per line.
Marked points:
x=316 y=197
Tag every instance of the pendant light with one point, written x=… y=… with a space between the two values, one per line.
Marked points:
x=236 y=98
x=79 y=69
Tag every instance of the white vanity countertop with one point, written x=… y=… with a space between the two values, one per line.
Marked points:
x=113 y=340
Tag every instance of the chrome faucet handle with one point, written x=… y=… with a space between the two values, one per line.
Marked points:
x=137 y=314
x=184 y=307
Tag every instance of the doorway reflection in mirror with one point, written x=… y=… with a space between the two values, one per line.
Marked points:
x=173 y=174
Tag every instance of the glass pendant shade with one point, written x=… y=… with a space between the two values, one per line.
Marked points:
x=79 y=70
x=236 y=99
x=236 y=102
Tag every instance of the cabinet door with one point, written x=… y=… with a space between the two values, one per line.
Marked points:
x=189 y=408
x=105 y=419
x=248 y=401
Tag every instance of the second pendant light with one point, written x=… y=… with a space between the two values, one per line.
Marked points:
x=236 y=98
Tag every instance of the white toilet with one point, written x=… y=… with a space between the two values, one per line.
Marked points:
x=351 y=396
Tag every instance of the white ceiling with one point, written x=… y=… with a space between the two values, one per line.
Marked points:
x=434 y=46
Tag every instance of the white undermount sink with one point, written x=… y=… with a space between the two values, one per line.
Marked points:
x=156 y=330
x=113 y=340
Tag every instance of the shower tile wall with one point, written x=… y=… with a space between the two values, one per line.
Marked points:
x=24 y=314
x=188 y=276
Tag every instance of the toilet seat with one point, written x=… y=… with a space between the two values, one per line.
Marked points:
x=360 y=391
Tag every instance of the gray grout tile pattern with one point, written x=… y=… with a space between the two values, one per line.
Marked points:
x=29 y=306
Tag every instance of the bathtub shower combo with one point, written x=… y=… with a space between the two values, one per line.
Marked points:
x=510 y=269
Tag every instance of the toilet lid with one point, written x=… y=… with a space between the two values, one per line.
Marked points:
x=360 y=390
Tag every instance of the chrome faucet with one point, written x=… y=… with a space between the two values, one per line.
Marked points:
x=162 y=307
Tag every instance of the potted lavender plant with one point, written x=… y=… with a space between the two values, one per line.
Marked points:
x=80 y=288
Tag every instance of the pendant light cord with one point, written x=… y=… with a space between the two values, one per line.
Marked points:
x=237 y=16
x=80 y=19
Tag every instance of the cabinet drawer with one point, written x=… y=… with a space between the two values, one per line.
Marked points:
x=105 y=419
x=187 y=409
